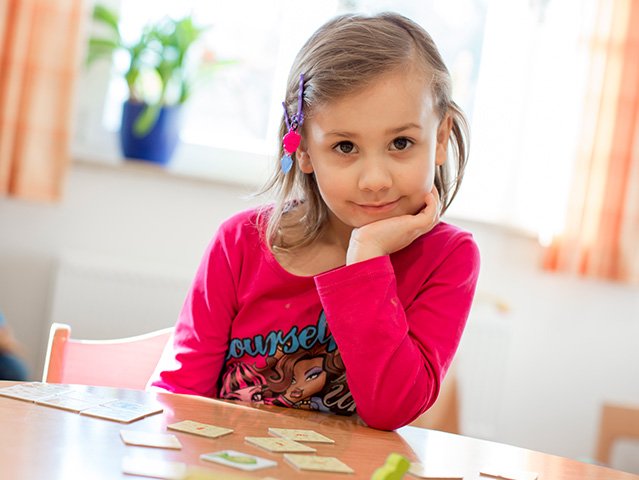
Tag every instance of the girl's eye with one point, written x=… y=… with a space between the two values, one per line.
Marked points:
x=344 y=147
x=401 y=143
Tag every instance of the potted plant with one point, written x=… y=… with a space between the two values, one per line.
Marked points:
x=159 y=77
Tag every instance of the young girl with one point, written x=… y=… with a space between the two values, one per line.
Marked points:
x=347 y=295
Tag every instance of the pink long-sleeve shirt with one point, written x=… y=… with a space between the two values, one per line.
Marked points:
x=375 y=337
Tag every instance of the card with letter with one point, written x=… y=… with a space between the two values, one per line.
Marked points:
x=317 y=464
x=279 y=445
x=300 y=435
x=235 y=459
x=202 y=429
x=150 y=439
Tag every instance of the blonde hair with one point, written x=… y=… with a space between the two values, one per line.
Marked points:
x=348 y=53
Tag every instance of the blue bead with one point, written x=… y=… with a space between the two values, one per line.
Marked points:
x=286 y=163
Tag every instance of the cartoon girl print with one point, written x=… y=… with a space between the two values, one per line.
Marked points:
x=301 y=379
x=242 y=382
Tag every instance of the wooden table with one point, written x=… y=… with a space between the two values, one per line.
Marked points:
x=39 y=442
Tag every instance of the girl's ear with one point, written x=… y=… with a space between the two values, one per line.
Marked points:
x=443 y=135
x=304 y=159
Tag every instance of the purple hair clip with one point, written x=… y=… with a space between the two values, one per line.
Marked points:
x=292 y=139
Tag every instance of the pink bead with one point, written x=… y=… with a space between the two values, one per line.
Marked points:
x=291 y=141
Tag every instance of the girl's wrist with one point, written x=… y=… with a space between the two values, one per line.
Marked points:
x=359 y=251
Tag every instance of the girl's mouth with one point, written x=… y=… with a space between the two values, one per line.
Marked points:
x=380 y=207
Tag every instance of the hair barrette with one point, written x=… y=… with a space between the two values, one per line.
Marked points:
x=292 y=139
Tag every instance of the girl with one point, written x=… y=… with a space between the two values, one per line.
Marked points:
x=350 y=262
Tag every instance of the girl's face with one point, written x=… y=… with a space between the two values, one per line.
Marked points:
x=374 y=152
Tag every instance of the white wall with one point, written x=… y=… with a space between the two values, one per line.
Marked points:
x=572 y=341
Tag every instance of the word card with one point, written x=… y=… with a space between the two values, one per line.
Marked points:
x=317 y=463
x=149 y=439
x=279 y=445
x=235 y=459
x=31 y=392
x=149 y=467
x=121 y=411
x=74 y=401
x=201 y=429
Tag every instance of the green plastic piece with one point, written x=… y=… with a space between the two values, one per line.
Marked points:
x=394 y=468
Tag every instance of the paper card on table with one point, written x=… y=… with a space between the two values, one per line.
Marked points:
x=74 y=401
x=150 y=467
x=121 y=411
x=317 y=463
x=243 y=461
x=198 y=473
x=280 y=445
x=150 y=439
x=521 y=475
x=202 y=429
x=133 y=407
x=300 y=435
x=33 y=391
x=420 y=471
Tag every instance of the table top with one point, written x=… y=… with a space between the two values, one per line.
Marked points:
x=38 y=441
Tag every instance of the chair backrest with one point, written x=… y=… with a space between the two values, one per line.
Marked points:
x=123 y=363
x=445 y=412
x=616 y=422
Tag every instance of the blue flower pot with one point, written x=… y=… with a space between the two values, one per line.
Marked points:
x=159 y=144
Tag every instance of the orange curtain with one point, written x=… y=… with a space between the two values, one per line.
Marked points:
x=40 y=45
x=601 y=235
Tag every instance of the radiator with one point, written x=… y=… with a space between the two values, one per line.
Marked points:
x=104 y=298
x=481 y=365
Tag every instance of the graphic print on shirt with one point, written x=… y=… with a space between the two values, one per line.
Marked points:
x=301 y=368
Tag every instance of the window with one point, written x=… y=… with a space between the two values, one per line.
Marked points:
x=518 y=67
x=231 y=122
x=527 y=115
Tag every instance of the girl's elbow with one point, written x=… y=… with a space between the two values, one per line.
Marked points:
x=380 y=420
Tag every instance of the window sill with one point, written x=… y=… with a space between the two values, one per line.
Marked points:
x=218 y=165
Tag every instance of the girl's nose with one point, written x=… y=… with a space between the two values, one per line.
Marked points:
x=375 y=175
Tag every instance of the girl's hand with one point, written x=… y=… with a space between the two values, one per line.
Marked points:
x=392 y=234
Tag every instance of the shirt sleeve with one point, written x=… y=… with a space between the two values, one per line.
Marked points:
x=192 y=363
x=397 y=355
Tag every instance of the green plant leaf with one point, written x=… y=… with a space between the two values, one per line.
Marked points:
x=146 y=120
x=108 y=17
x=100 y=48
